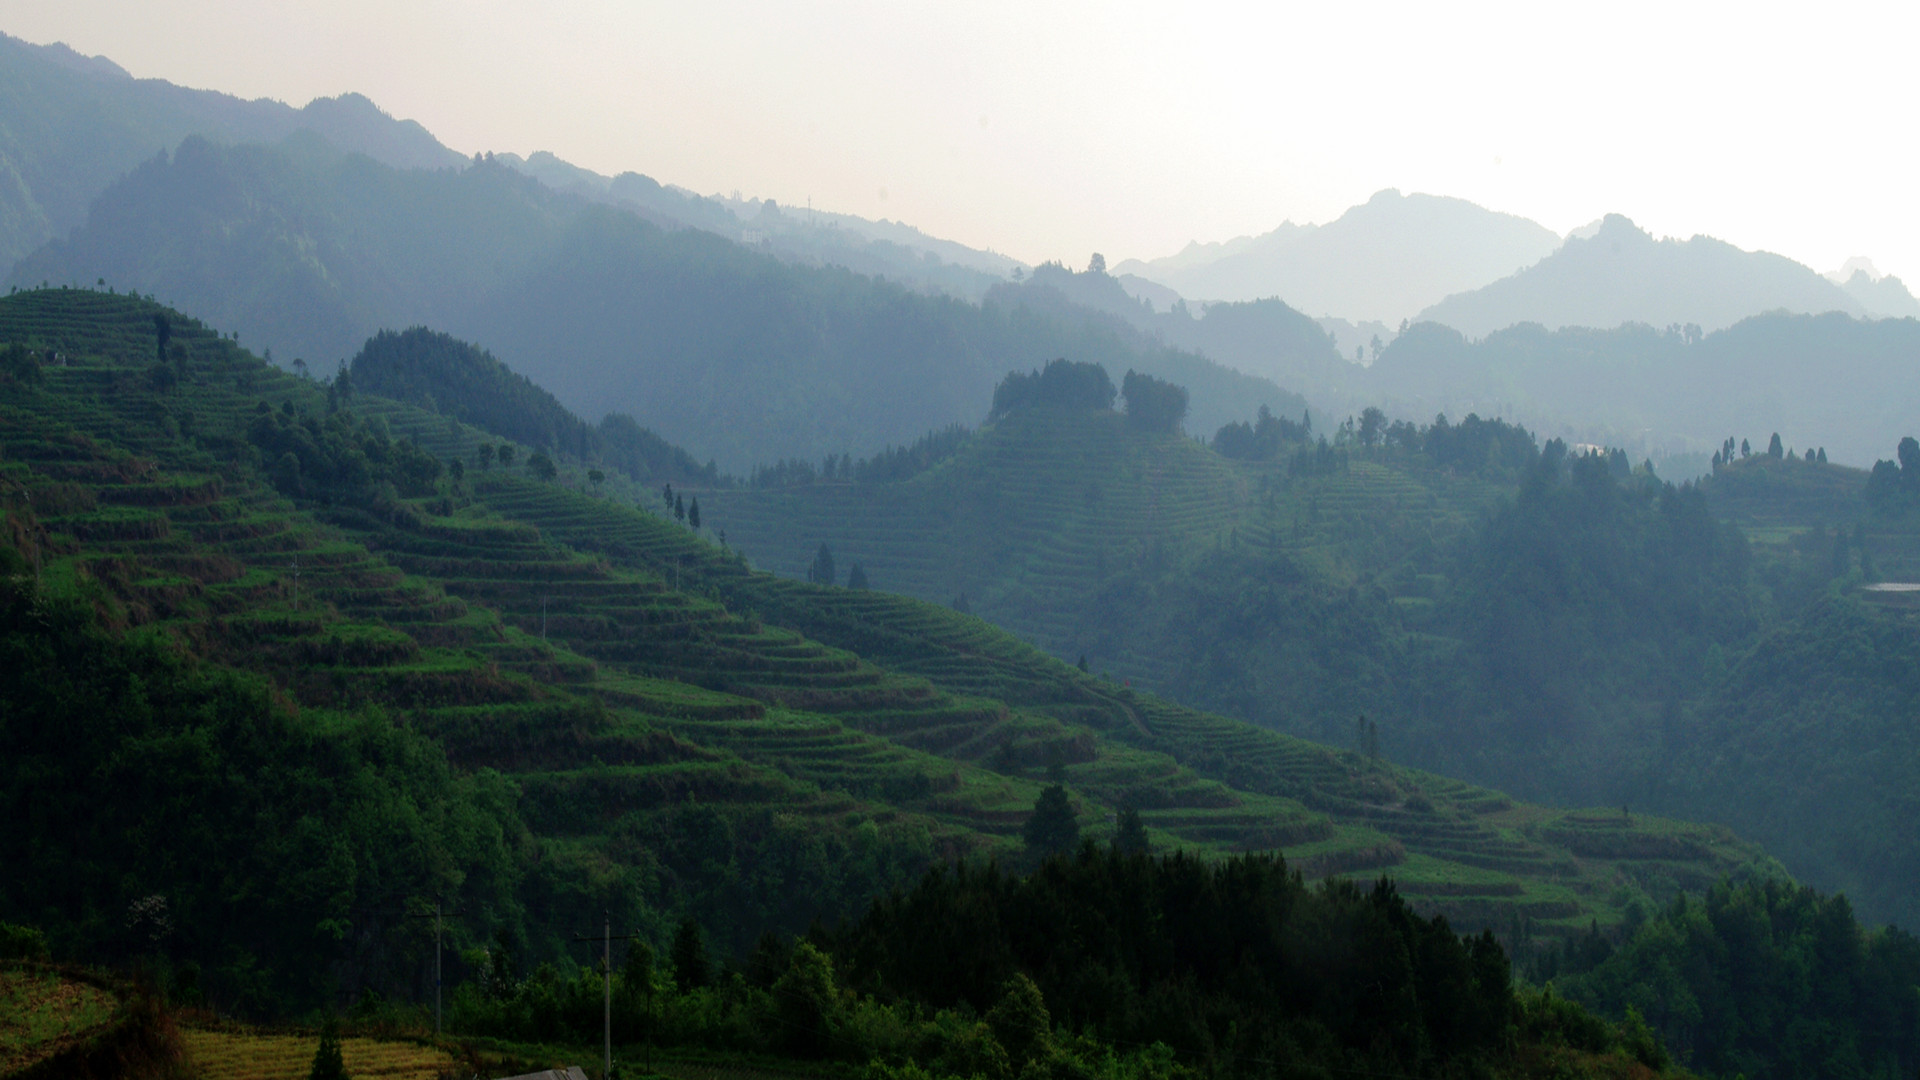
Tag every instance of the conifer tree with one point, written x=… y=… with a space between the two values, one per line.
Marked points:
x=1131 y=835
x=691 y=968
x=822 y=570
x=679 y=508
x=328 y=1064
x=1052 y=828
x=693 y=514
x=857 y=577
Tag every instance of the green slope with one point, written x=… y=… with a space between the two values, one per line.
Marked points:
x=1053 y=523
x=635 y=680
x=1579 y=641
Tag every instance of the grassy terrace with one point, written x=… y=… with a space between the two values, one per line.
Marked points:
x=615 y=664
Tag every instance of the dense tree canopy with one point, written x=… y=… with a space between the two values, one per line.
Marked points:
x=1216 y=960
x=1063 y=384
x=161 y=808
x=1154 y=404
x=1766 y=980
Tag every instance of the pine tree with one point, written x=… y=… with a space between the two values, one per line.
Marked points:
x=1052 y=828
x=693 y=514
x=328 y=1064
x=691 y=968
x=822 y=571
x=679 y=508
x=1131 y=835
x=857 y=577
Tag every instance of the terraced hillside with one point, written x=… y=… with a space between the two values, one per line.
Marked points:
x=1791 y=508
x=633 y=679
x=1043 y=511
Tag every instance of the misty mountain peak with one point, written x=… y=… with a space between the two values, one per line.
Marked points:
x=1852 y=268
x=1616 y=229
x=1619 y=273
x=1380 y=261
x=63 y=55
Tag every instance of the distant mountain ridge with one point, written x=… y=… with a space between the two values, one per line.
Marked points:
x=724 y=349
x=1266 y=339
x=1621 y=274
x=1381 y=261
x=1881 y=294
x=71 y=125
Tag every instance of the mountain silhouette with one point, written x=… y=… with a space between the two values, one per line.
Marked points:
x=1620 y=274
x=1381 y=261
x=71 y=125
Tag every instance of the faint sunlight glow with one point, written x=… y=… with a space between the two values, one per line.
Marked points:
x=1054 y=130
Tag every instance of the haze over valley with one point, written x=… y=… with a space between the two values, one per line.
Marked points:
x=467 y=612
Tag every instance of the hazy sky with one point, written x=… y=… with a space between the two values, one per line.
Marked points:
x=1051 y=130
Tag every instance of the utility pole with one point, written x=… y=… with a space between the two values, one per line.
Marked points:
x=438 y=915
x=607 y=938
x=37 y=555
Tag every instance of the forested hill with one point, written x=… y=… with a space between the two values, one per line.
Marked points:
x=731 y=353
x=442 y=374
x=1563 y=625
x=484 y=676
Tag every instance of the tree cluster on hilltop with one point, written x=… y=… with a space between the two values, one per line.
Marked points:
x=1068 y=385
x=1154 y=404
